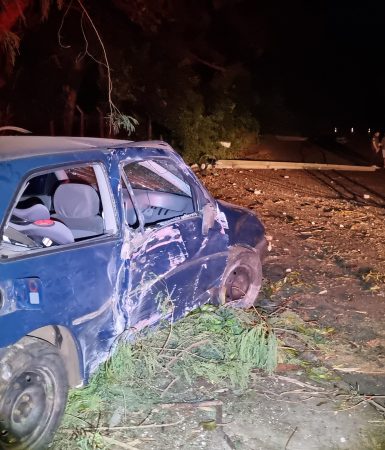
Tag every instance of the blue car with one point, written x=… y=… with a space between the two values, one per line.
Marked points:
x=99 y=239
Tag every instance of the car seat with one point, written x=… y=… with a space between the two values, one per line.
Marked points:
x=77 y=206
x=35 y=222
x=35 y=212
x=57 y=232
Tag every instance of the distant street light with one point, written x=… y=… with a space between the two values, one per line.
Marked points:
x=335 y=129
x=369 y=130
x=352 y=130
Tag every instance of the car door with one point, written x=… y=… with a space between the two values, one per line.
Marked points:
x=174 y=258
x=71 y=282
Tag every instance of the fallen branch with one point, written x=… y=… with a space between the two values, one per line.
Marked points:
x=375 y=405
x=190 y=405
x=292 y=434
x=298 y=391
x=129 y=427
x=228 y=440
x=164 y=346
x=169 y=386
x=299 y=335
x=208 y=64
x=194 y=345
x=358 y=370
x=297 y=382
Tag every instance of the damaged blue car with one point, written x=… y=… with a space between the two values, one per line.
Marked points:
x=97 y=235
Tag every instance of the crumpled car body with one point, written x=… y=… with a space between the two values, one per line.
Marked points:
x=102 y=238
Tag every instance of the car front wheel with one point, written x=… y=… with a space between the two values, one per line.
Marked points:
x=33 y=394
x=242 y=278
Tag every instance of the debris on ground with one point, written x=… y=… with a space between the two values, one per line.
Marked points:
x=218 y=346
x=321 y=306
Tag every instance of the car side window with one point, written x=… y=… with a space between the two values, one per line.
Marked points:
x=60 y=207
x=161 y=191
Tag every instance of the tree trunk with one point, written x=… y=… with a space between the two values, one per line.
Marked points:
x=149 y=128
x=69 y=109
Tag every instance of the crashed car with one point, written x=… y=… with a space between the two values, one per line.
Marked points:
x=96 y=235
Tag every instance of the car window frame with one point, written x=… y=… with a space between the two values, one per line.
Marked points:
x=150 y=227
x=32 y=252
x=127 y=185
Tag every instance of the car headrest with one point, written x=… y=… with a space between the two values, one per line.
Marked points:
x=76 y=201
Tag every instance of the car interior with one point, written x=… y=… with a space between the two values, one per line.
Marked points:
x=156 y=206
x=72 y=205
x=160 y=195
x=57 y=208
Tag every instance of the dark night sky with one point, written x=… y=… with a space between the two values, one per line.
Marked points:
x=325 y=58
x=328 y=57
x=321 y=62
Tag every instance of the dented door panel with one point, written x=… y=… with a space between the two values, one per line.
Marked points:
x=174 y=269
x=76 y=288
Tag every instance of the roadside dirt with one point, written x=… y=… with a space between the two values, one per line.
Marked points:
x=325 y=269
x=328 y=228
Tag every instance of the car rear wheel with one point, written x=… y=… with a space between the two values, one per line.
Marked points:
x=33 y=394
x=242 y=278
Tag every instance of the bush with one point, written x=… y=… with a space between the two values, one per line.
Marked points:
x=200 y=134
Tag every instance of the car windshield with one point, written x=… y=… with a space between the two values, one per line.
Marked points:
x=156 y=176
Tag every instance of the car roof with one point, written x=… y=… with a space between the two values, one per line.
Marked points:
x=15 y=147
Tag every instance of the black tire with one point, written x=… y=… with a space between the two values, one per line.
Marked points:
x=33 y=394
x=242 y=278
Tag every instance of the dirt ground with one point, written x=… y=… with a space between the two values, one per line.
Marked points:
x=326 y=268
x=328 y=229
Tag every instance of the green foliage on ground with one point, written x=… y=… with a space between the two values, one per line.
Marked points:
x=290 y=283
x=371 y=279
x=218 y=345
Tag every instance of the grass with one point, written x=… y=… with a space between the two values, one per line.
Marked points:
x=217 y=345
x=292 y=282
x=304 y=337
x=371 y=279
x=372 y=440
x=312 y=334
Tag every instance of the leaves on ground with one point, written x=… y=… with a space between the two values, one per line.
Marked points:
x=217 y=345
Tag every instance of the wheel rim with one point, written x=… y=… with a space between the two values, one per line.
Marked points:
x=238 y=284
x=27 y=407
